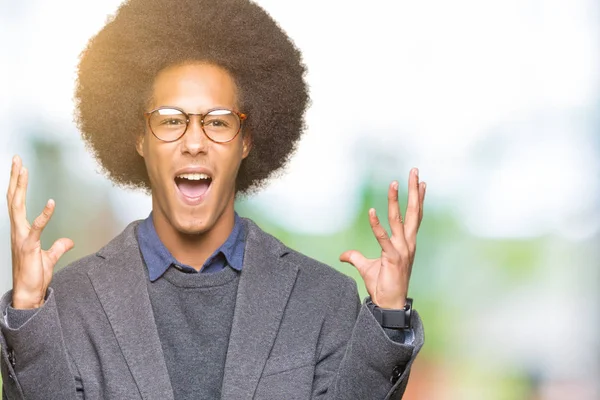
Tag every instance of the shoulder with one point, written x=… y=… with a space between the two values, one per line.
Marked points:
x=75 y=275
x=315 y=272
x=315 y=269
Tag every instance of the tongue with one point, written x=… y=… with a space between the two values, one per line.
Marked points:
x=193 y=188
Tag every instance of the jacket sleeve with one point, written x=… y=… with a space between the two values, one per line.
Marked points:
x=35 y=363
x=357 y=359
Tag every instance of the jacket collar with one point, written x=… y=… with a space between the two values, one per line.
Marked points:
x=266 y=283
x=120 y=283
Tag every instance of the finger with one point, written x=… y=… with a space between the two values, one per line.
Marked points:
x=12 y=184
x=41 y=221
x=411 y=218
x=394 y=215
x=58 y=249
x=355 y=258
x=381 y=234
x=18 y=209
x=422 y=190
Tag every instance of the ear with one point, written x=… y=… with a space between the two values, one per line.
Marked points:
x=246 y=145
x=139 y=145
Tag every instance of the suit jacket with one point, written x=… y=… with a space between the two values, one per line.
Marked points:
x=299 y=332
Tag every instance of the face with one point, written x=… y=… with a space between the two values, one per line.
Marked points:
x=188 y=206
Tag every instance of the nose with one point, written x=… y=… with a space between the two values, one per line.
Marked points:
x=194 y=141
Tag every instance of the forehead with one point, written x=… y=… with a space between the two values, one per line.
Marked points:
x=194 y=87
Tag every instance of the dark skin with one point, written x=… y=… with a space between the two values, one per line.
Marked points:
x=192 y=229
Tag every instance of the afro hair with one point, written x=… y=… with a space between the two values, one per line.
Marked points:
x=118 y=67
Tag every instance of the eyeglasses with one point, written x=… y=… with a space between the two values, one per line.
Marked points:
x=171 y=123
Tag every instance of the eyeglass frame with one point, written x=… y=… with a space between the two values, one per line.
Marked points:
x=240 y=115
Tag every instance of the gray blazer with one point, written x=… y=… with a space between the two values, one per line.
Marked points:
x=299 y=332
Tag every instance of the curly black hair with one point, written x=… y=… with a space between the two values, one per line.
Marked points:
x=118 y=67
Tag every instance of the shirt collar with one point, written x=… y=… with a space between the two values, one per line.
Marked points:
x=158 y=258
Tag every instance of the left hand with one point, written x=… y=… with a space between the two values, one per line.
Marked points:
x=387 y=277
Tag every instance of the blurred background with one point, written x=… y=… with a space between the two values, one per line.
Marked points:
x=498 y=104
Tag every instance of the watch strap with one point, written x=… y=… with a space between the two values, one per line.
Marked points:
x=391 y=318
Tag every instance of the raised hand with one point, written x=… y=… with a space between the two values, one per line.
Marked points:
x=387 y=277
x=32 y=266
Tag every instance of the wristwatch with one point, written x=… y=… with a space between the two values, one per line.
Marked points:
x=392 y=319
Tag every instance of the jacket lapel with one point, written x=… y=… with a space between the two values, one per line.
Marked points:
x=120 y=283
x=265 y=285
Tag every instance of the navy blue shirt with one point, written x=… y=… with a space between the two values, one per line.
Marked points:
x=158 y=258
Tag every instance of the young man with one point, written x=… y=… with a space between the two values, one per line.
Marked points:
x=196 y=101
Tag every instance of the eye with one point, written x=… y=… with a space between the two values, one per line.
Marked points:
x=172 y=121
x=168 y=118
x=216 y=123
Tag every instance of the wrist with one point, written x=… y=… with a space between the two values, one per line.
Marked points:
x=391 y=305
x=26 y=301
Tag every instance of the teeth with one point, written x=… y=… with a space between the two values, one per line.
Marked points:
x=193 y=177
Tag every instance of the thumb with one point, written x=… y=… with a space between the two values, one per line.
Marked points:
x=355 y=258
x=59 y=248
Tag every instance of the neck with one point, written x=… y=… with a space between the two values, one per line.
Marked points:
x=194 y=249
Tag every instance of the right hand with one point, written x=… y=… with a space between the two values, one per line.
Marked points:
x=32 y=267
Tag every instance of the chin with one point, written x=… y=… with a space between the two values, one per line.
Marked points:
x=192 y=226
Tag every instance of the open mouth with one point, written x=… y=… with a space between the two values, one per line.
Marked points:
x=193 y=186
